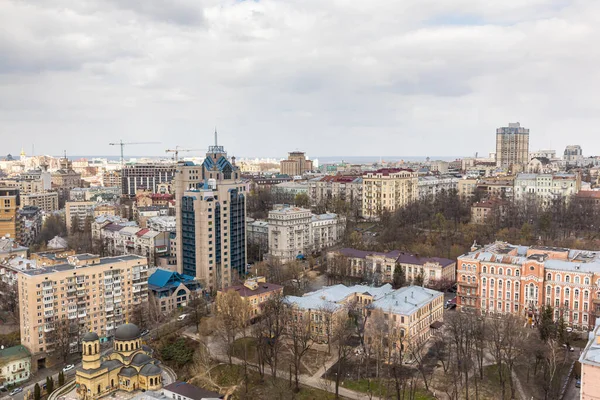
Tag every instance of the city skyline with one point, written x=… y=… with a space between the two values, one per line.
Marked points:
x=412 y=77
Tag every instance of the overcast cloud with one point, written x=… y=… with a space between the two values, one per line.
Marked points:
x=331 y=77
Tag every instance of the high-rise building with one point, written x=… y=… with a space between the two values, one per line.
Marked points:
x=573 y=154
x=9 y=218
x=95 y=294
x=512 y=145
x=388 y=189
x=211 y=219
x=296 y=164
x=146 y=177
x=65 y=179
x=47 y=201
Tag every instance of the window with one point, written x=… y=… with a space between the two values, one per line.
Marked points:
x=484 y=269
x=492 y=270
x=549 y=277
x=567 y=292
x=576 y=292
x=576 y=279
x=586 y=281
x=557 y=291
x=568 y=279
x=500 y=271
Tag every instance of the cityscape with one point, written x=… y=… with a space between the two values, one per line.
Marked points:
x=248 y=200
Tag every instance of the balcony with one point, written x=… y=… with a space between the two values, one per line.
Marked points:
x=48 y=328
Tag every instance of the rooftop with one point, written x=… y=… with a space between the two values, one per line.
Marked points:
x=389 y=171
x=591 y=353
x=406 y=300
x=191 y=391
x=13 y=353
x=263 y=287
x=67 y=267
x=163 y=278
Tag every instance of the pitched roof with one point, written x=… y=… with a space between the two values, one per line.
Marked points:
x=191 y=391
x=263 y=287
x=13 y=353
x=163 y=277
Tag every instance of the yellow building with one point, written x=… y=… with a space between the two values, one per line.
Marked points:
x=9 y=204
x=255 y=291
x=388 y=189
x=128 y=366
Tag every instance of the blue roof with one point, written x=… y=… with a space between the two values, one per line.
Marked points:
x=162 y=278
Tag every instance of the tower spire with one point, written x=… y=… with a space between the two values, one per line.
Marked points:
x=216 y=144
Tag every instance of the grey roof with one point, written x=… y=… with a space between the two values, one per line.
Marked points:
x=140 y=359
x=591 y=354
x=329 y=296
x=127 y=332
x=66 y=267
x=90 y=337
x=406 y=300
x=191 y=391
x=150 y=370
x=112 y=364
x=128 y=371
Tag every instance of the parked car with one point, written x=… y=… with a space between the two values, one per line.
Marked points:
x=569 y=347
x=144 y=332
x=68 y=368
x=182 y=317
x=578 y=383
x=450 y=304
x=15 y=391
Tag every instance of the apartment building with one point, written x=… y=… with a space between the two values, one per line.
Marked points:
x=65 y=179
x=411 y=310
x=15 y=365
x=289 y=232
x=147 y=177
x=482 y=211
x=95 y=294
x=431 y=185
x=346 y=188
x=512 y=145
x=505 y=278
x=111 y=179
x=546 y=187
x=10 y=223
x=125 y=238
x=380 y=267
x=47 y=201
x=255 y=291
x=573 y=154
x=388 y=189
x=162 y=223
x=211 y=220
x=31 y=224
x=296 y=164
x=497 y=187
x=466 y=188
x=10 y=248
x=80 y=210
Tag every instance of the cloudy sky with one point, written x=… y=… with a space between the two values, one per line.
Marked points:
x=331 y=77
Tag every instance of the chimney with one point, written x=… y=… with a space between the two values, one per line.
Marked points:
x=412 y=295
x=405 y=299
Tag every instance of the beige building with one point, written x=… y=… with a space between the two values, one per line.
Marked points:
x=388 y=189
x=590 y=367
x=379 y=268
x=129 y=366
x=47 y=201
x=289 y=232
x=79 y=209
x=545 y=188
x=466 y=188
x=512 y=146
x=96 y=294
x=483 y=210
x=346 y=188
x=111 y=179
x=210 y=219
x=255 y=292
x=10 y=223
x=296 y=164
x=15 y=365
x=24 y=186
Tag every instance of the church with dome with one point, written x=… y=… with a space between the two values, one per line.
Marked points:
x=128 y=366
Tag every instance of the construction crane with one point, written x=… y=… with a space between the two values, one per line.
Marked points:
x=176 y=150
x=122 y=144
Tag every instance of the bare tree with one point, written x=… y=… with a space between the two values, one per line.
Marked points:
x=343 y=331
x=232 y=315
x=275 y=317
x=62 y=336
x=376 y=337
x=299 y=332
x=198 y=308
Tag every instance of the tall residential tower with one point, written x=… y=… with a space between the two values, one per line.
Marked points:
x=512 y=145
x=211 y=219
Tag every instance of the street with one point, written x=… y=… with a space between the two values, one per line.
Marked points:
x=42 y=380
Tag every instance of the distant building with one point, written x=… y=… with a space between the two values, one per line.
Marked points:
x=111 y=179
x=65 y=179
x=255 y=291
x=346 y=188
x=539 y=165
x=15 y=365
x=388 y=189
x=549 y=154
x=162 y=223
x=512 y=146
x=186 y=391
x=79 y=210
x=293 y=188
x=31 y=224
x=296 y=164
x=546 y=187
x=498 y=187
x=10 y=223
x=431 y=185
x=57 y=243
x=9 y=248
x=172 y=290
x=466 y=188
x=573 y=154
x=482 y=211
x=48 y=201
x=588 y=196
x=136 y=177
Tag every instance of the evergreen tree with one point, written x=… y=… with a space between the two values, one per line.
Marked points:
x=49 y=385
x=61 y=378
x=399 y=277
x=37 y=393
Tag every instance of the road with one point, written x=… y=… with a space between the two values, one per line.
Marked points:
x=41 y=374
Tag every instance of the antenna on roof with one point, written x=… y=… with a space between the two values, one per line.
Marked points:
x=216 y=137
